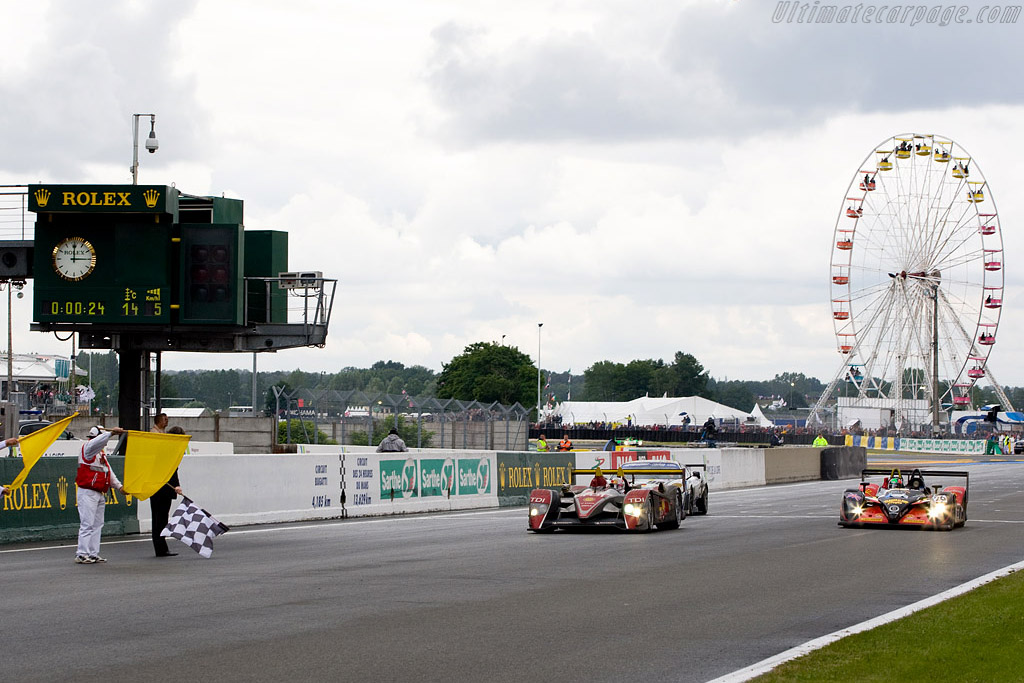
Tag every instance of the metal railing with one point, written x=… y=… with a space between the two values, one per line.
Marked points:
x=16 y=221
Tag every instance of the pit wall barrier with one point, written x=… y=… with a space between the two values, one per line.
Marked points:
x=328 y=482
x=843 y=462
x=70 y=448
x=728 y=468
x=785 y=464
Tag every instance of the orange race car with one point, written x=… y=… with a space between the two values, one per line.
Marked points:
x=908 y=503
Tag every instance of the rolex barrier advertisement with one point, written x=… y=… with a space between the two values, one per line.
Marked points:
x=44 y=506
x=519 y=473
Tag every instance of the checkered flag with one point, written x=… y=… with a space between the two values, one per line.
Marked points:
x=194 y=526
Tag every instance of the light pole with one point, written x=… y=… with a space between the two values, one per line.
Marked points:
x=11 y=285
x=151 y=143
x=539 y=325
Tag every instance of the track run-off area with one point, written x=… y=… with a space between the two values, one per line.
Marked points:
x=473 y=596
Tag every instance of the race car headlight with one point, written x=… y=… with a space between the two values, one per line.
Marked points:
x=633 y=510
x=856 y=510
x=536 y=510
x=938 y=510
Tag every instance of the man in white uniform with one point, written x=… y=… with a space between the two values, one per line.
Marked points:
x=94 y=478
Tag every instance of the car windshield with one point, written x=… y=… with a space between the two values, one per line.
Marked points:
x=27 y=428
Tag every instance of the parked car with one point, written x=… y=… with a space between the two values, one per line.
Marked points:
x=26 y=427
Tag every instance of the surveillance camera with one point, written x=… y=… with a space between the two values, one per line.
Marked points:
x=151 y=143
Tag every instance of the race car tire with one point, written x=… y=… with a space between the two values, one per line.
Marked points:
x=702 y=502
x=649 y=513
x=677 y=518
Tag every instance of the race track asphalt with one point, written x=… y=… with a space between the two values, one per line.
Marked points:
x=473 y=596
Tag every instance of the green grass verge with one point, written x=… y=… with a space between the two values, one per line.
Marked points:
x=978 y=636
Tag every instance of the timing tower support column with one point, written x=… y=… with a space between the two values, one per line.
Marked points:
x=130 y=377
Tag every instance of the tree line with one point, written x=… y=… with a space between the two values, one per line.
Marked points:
x=484 y=372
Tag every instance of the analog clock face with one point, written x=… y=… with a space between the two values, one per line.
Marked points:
x=74 y=258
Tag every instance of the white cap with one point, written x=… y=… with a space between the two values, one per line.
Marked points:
x=94 y=432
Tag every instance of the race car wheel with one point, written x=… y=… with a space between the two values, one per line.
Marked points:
x=677 y=515
x=702 y=502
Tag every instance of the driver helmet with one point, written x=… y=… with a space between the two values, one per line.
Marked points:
x=896 y=482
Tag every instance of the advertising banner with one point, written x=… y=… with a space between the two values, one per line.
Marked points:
x=398 y=479
x=519 y=473
x=437 y=477
x=474 y=477
x=958 y=446
x=44 y=507
x=381 y=484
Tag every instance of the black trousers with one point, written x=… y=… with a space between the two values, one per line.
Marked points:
x=160 y=507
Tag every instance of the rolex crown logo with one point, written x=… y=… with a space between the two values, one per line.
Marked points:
x=42 y=196
x=62 y=492
x=151 y=196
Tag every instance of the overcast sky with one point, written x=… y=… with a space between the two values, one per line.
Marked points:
x=641 y=178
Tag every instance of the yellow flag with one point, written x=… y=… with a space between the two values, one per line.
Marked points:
x=150 y=459
x=35 y=444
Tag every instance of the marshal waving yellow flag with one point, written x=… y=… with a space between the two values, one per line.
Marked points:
x=33 y=446
x=150 y=459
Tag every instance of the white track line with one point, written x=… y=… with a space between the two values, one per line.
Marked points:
x=292 y=526
x=766 y=665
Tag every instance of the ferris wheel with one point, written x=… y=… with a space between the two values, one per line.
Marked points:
x=916 y=279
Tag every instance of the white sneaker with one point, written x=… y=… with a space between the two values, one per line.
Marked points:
x=82 y=559
x=97 y=558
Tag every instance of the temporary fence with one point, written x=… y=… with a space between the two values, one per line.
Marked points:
x=453 y=423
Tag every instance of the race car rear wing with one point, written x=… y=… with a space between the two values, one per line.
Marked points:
x=865 y=473
x=667 y=472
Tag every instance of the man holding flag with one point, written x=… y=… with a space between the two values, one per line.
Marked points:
x=7 y=444
x=160 y=502
x=151 y=462
x=94 y=478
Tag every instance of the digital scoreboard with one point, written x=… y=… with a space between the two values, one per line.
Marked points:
x=139 y=255
x=103 y=254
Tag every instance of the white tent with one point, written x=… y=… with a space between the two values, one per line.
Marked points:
x=646 y=411
x=758 y=414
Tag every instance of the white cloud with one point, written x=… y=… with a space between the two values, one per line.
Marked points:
x=642 y=183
